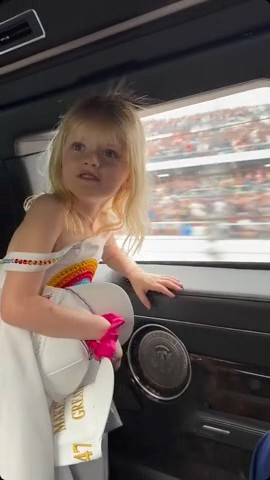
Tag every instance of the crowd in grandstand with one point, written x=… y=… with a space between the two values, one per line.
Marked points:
x=212 y=133
x=235 y=197
x=239 y=197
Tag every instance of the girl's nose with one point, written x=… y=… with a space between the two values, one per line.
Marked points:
x=92 y=159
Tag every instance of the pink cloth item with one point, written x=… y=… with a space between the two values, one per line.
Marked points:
x=106 y=346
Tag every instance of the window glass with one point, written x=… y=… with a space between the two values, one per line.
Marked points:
x=209 y=176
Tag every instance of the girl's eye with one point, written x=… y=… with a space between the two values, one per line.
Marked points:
x=78 y=147
x=109 y=153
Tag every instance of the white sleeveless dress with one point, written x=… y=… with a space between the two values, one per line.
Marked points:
x=26 y=442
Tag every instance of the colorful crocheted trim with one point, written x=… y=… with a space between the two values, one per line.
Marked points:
x=79 y=273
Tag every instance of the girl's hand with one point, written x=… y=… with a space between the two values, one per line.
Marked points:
x=142 y=282
x=117 y=358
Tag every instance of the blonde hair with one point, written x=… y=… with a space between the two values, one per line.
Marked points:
x=127 y=210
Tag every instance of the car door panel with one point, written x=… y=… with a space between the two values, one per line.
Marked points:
x=209 y=431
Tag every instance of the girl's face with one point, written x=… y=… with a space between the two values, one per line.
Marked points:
x=93 y=167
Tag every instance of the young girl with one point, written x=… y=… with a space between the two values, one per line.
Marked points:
x=97 y=187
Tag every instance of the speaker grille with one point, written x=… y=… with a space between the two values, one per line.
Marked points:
x=159 y=362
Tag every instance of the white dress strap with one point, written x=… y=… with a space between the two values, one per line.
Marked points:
x=31 y=261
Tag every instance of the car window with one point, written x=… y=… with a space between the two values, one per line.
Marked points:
x=209 y=178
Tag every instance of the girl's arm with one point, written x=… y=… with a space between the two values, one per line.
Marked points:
x=117 y=260
x=141 y=281
x=21 y=302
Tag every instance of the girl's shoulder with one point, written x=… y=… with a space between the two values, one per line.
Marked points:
x=42 y=225
x=45 y=201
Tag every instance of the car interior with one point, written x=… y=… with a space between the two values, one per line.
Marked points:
x=194 y=386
